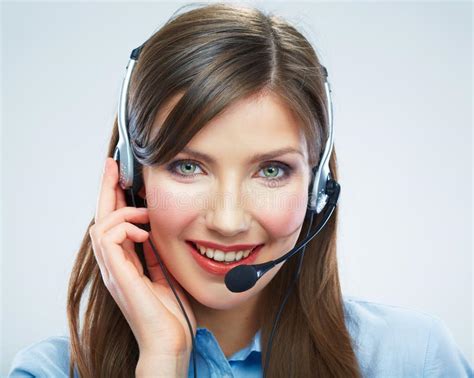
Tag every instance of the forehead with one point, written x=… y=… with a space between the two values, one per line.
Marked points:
x=253 y=124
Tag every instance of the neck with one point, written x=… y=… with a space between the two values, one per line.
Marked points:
x=233 y=328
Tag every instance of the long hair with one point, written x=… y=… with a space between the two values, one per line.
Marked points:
x=215 y=55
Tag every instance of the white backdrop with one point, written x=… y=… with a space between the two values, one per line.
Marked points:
x=401 y=75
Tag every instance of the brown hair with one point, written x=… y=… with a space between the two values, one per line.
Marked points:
x=215 y=55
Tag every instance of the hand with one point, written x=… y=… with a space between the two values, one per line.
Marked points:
x=149 y=306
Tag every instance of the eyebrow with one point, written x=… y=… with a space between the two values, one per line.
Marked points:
x=254 y=158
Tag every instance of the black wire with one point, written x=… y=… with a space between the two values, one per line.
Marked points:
x=165 y=273
x=287 y=295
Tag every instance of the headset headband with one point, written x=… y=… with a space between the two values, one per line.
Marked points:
x=318 y=196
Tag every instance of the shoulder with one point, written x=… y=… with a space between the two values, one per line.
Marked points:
x=45 y=358
x=399 y=341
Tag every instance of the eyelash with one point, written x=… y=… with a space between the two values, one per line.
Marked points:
x=287 y=170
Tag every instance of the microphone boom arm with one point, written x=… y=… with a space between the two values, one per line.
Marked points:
x=334 y=189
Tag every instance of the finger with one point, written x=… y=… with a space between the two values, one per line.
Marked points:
x=124 y=283
x=153 y=265
x=97 y=252
x=132 y=255
x=154 y=268
x=160 y=284
x=124 y=214
x=107 y=197
x=99 y=229
x=120 y=197
x=115 y=261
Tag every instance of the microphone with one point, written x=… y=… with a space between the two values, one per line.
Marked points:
x=244 y=277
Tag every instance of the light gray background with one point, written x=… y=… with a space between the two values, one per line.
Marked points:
x=402 y=91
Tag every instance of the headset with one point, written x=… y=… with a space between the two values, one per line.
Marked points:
x=323 y=194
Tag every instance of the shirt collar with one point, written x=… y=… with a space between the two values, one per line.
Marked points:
x=253 y=346
x=242 y=354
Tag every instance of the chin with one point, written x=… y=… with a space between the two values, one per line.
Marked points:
x=218 y=297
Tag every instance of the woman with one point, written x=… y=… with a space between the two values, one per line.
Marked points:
x=212 y=89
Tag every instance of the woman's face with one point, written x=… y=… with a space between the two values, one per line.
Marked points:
x=231 y=197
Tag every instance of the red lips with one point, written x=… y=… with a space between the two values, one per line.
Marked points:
x=221 y=268
x=224 y=248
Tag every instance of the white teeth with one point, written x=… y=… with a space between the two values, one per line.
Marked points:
x=230 y=256
x=221 y=256
x=218 y=255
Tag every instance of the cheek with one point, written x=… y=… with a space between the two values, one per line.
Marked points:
x=283 y=211
x=171 y=209
x=280 y=211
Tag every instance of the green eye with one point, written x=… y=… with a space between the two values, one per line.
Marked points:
x=189 y=167
x=184 y=168
x=272 y=171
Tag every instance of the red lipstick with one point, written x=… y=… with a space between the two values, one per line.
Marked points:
x=224 y=248
x=221 y=268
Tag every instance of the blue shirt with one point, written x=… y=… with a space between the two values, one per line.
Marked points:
x=389 y=341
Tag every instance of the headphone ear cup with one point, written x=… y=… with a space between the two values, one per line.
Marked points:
x=137 y=182
x=311 y=210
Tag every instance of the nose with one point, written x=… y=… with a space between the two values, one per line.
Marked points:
x=227 y=215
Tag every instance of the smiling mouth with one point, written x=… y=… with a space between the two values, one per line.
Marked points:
x=224 y=258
